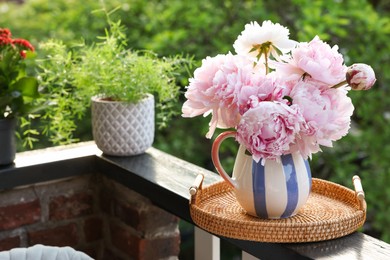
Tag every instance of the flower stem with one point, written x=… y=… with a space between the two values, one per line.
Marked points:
x=341 y=84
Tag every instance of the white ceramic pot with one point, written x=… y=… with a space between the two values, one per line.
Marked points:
x=270 y=191
x=123 y=129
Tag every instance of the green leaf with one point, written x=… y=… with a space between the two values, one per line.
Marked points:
x=289 y=99
x=5 y=100
x=28 y=86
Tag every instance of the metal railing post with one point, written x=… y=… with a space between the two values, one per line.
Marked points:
x=246 y=256
x=207 y=246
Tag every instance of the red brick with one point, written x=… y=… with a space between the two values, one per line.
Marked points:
x=159 y=247
x=127 y=213
x=93 y=229
x=59 y=236
x=14 y=216
x=124 y=240
x=67 y=207
x=105 y=201
x=108 y=254
x=144 y=249
x=145 y=221
x=92 y=251
x=155 y=218
x=9 y=243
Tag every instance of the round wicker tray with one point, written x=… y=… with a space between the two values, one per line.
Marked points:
x=331 y=211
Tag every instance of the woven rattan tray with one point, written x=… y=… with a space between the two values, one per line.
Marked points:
x=331 y=211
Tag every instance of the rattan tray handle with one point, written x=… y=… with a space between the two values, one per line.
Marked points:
x=359 y=192
x=197 y=185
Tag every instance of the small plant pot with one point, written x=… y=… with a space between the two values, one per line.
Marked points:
x=7 y=141
x=123 y=129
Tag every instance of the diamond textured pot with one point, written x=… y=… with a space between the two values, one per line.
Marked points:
x=123 y=129
x=271 y=191
x=7 y=141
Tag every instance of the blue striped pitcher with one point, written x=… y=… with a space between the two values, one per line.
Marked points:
x=270 y=191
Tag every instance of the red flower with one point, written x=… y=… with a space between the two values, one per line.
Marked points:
x=23 y=54
x=5 y=33
x=5 y=40
x=5 y=37
x=23 y=43
x=15 y=83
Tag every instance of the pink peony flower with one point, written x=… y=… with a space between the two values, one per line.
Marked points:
x=315 y=59
x=263 y=88
x=327 y=113
x=360 y=76
x=255 y=35
x=214 y=89
x=268 y=130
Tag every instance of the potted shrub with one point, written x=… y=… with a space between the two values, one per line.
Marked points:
x=121 y=84
x=17 y=90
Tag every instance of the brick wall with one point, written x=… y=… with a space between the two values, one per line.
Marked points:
x=91 y=214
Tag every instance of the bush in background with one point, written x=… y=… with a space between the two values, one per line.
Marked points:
x=361 y=28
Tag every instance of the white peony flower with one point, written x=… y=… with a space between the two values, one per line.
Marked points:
x=269 y=35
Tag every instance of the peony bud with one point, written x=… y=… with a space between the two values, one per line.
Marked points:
x=360 y=76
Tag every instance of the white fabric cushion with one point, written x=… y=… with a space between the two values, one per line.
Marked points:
x=41 y=252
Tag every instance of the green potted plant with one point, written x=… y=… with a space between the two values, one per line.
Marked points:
x=120 y=84
x=17 y=90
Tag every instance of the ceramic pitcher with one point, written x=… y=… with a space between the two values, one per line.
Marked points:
x=271 y=191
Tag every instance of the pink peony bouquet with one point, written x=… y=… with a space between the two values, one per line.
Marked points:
x=280 y=95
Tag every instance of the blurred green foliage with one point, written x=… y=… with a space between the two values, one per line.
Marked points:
x=203 y=28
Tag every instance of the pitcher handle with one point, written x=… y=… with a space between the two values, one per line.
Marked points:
x=215 y=156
